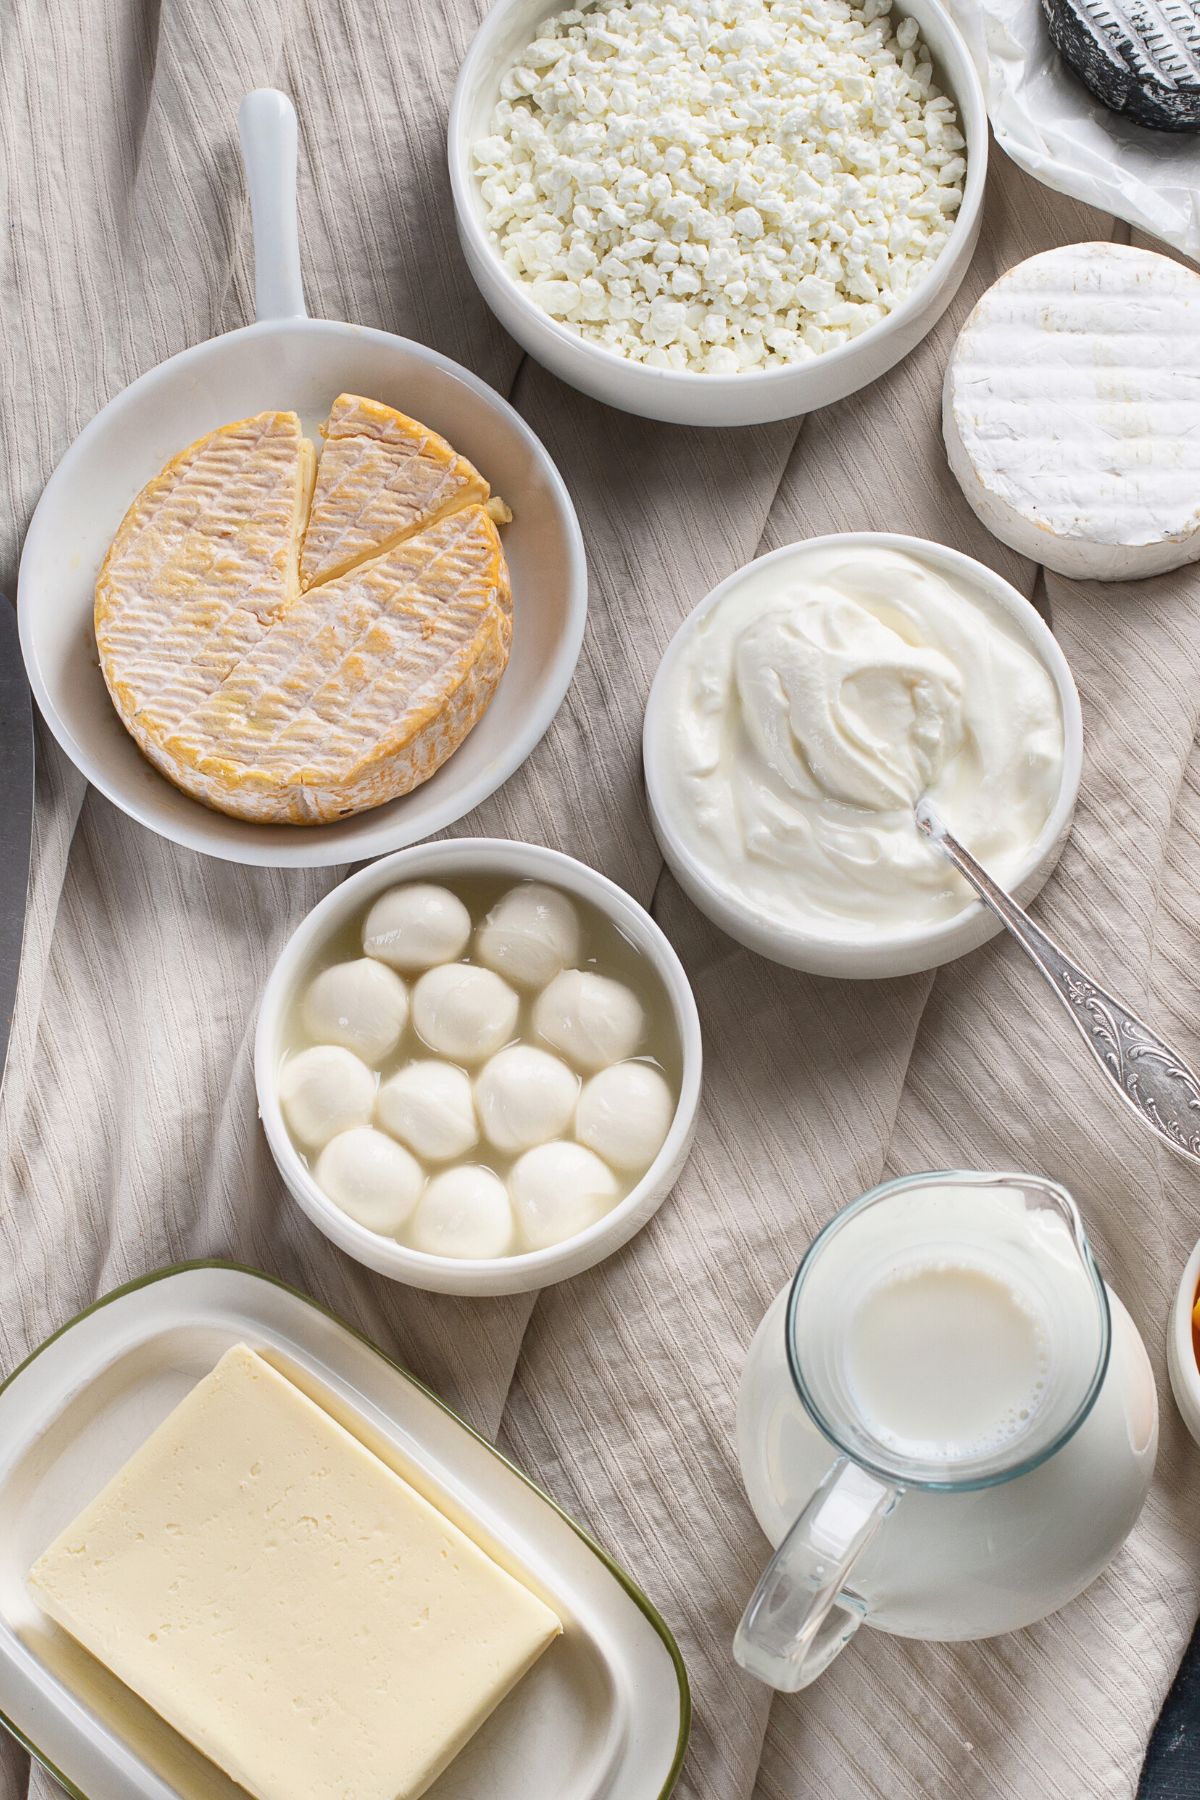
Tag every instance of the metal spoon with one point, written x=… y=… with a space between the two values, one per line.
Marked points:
x=1152 y=1079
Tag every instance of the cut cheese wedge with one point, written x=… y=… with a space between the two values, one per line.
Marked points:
x=281 y=705
x=382 y=477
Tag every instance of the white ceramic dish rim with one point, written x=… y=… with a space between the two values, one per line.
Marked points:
x=557 y=674
x=269 y=131
x=1181 y=1359
x=531 y=1268
x=623 y=1580
x=966 y=91
x=1014 y=607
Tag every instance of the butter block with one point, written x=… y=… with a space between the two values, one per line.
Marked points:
x=286 y=1601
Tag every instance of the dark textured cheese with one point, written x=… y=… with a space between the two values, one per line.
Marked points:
x=1140 y=57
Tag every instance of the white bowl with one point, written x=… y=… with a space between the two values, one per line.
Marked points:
x=925 y=947
x=471 y=858
x=680 y=396
x=300 y=365
x=1181 y=1357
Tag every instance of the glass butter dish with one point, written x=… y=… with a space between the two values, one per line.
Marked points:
x=609 y=1709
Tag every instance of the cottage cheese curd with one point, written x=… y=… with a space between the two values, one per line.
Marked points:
x=811 y=706
x=718 y=185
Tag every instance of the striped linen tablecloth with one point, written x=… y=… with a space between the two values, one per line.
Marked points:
x=128 y=1136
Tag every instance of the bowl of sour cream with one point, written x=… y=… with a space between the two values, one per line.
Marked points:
x=806 y=705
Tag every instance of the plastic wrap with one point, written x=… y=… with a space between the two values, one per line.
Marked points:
x=1048 y=122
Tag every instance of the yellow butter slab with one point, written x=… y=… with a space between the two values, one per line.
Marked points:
x=286 y=1601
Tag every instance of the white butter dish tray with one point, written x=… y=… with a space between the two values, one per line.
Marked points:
x=603 y=1716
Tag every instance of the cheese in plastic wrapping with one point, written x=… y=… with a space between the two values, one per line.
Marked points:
x=1044 y=117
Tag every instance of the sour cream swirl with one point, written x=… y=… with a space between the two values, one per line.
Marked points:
x=814 y=704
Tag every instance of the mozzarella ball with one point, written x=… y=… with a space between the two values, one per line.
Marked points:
x=558 y=1190
x=323 y=1091
x=429 y=1107
x=525 y=1097
x=624 y=1115
x=361 y=1005
x=416 y=926
x=463 y=1212
x=590 y=1018
x=371 y=1177
x=529 y=935
x=463 y=1012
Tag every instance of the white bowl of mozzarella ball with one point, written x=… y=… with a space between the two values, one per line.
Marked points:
x=478 y=1066
x=718 y=212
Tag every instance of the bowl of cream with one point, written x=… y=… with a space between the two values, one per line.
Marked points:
x=807 y=704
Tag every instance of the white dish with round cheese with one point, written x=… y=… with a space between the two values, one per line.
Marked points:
x=288 y=362
x=504 y=1205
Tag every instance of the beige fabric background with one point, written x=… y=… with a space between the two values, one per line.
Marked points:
x=128 y=1136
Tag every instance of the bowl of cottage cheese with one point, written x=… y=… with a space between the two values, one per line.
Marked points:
x=805 y=707
x=718 y=212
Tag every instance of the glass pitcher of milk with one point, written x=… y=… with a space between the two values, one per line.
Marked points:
x=947 y=1424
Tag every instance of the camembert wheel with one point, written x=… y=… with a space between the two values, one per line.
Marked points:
x=293 y=663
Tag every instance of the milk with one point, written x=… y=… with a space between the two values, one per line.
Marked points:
x=947 y=1333
x=946 y=1360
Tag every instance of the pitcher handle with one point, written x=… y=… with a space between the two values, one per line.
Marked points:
x=267 y=127
x=798 y=1618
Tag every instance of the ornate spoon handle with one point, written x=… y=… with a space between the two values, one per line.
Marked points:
x=1151 y=1077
